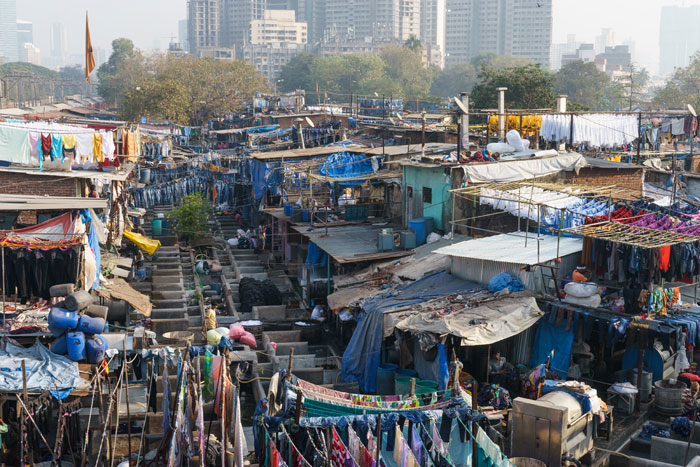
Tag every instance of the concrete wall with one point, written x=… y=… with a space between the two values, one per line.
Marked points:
x=440 y=207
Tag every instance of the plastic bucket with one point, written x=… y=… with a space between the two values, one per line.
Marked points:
x=59 y=346
x=157 y=227
x=95 y=349
x=427 y=383
x=385 y=378
x=62 y=319
x=402 y=384
x=91 y=325
x=75 y=341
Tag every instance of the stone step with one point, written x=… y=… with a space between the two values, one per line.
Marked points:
x=176 y=303
x=164 y=284
x=160 y=326
x=168 y=313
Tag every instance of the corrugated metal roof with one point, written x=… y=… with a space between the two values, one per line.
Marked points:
x=510 y=248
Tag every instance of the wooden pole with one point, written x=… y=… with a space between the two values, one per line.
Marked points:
x=412 y=390
x=379 y=437
x=21 y=414
x=128 y=408
x=640 y=365
x=289 y=365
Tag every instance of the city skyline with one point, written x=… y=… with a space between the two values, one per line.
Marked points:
x=582 y=19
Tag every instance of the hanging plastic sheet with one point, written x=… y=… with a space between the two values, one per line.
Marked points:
x=549 y=339
x=146 y=244
x=344 y=165
x=45 y=370
x=361 y=357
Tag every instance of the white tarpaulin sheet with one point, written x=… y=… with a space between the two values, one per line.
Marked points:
x=509 y=171
x=45 y=370
x=485 y=324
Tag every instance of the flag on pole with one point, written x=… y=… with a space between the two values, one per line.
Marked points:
x=89 y=56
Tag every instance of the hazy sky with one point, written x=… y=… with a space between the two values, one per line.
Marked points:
x=151 y=23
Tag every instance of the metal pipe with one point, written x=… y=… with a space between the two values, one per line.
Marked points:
x=464 y=134
x=501 y=112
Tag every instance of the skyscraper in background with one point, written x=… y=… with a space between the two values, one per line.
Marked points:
x=522 y=28
x=202 y=24
x=182 y=34
x=235 y=19
x=58 y=44
x=433 y=15
x=25 y=34
x=679 y=36
x=605 y=39
x=8 y=31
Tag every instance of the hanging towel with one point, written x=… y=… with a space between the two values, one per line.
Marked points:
x=107 y=144
x=56 y=147
x=84 y=143
x=97 y=146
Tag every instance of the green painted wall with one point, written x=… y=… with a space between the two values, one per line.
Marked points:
x=440 y=209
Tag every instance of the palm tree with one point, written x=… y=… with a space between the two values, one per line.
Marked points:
x=413 y=43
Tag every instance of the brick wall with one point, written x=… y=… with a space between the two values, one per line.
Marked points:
x=27 y=184
x=596 y=176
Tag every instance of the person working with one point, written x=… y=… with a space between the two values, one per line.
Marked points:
x=211 y=317
x=497 y=363
x=689 y=398
x=581 y=274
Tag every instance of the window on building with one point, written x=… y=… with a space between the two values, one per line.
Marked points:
x=427 y=195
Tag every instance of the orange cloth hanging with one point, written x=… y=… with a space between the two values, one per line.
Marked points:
x=665 y=258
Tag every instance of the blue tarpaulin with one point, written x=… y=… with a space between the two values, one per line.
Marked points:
x=361 y=357
x=550 y=338
x=315 y=256
x=345 y=165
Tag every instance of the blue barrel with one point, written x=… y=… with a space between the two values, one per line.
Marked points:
x=59 y=346
x=166 y=227
x=75 y=341
x=288 y=209
x=422 y=226
x=91 y=325
x=62 y=319
x=56 y=331
x=157 y=227
x=385 y=378
x=95 y=349
x=305 y=215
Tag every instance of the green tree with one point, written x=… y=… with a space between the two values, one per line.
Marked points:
x=499 y=62
x=190 y=218
x=121 y=64
x=186 y=90
x=683 y=88
x=529 y=87
x=453 y=80
x=405 y=67
x=413 y=43
x=296 y=74
x=583 y=83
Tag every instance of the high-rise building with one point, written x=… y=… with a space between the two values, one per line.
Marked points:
x=433 y=18
x=458 y=34
x=528 y=29
x=362 y=20
x=522 y=28
x=679 y=37
x=236 y=16
x=605 y=39
x=8 y=30
x=25 y=35
x=30 y=54
x=182 y=34
x=277 y=26
x=409 y=19
x=615 y=59
x=58 y=44
x=559 y=50
x=202 y=24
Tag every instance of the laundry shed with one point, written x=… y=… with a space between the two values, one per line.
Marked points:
x=519 y=254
